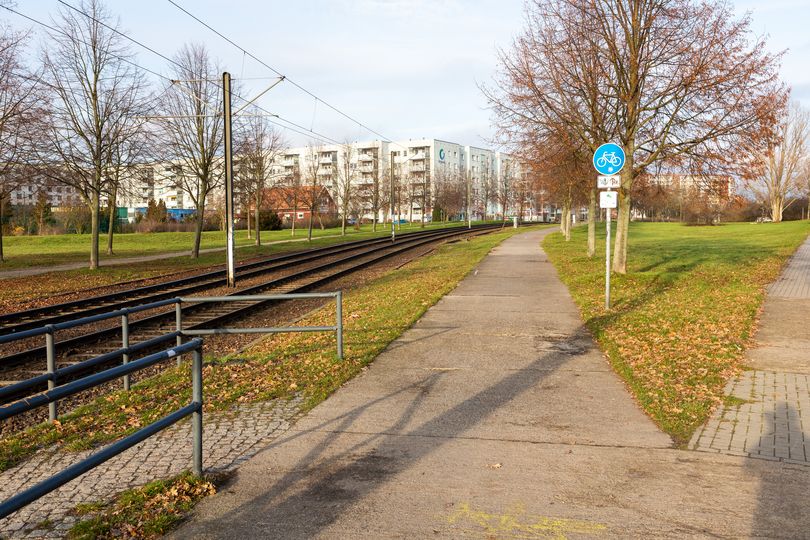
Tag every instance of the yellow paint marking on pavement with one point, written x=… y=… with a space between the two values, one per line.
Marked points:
x=515 y=523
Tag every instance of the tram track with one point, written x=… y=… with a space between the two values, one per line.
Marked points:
x=351 y=257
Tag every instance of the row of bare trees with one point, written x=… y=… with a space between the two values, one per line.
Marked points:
x=679 y=84
x=86 y=117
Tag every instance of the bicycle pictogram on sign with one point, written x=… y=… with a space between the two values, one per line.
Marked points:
x=609 y=159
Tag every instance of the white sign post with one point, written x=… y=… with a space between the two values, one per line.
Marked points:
x=608 y=160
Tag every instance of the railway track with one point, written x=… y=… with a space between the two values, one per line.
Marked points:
x=33 y=318
x=351 y=257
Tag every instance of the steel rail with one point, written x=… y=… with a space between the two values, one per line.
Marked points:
x=55 y=313
x=404 y=244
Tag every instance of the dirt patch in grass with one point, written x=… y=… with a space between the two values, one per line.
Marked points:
x=683 y=314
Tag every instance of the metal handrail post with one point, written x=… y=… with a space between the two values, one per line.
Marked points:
x=50 y=348
x=339 y=311
x=178 y=324
x=196 y=420
x=125 y=345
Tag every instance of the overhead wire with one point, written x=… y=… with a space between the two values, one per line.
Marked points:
x=277 y=72
x=301 y=129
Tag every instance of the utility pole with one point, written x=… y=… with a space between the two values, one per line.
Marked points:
x=469 y=216
x=228 y=132
x=393 y=232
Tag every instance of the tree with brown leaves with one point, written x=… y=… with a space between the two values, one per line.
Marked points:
x=668 y=80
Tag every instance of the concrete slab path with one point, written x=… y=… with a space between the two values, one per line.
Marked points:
x=496 y=416
x=771 y=416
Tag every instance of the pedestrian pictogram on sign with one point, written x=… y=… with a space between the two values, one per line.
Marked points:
x=608 y=182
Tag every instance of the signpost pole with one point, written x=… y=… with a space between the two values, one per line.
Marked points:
x=608 y=160
x=607 y=258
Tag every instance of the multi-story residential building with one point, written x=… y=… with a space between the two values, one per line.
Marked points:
x=421 y=167
x=423 y=170
x=58 y=195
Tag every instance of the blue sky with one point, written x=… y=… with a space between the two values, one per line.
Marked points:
x=406 y=68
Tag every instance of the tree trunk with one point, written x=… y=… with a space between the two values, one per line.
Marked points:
x=95 y=210
x=343 y=224
x=777 y=207
x=257 y=219
x=565 y=220
x=248 y=223
x=623 y=218
x=309 y=228
x=195 y=251
x=294 y=215
x=592 y=222
x=424 y=203
x=110 y=228
x=2 y=255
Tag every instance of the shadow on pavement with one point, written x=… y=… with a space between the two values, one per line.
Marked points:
x=782 y=503
x=316 y=491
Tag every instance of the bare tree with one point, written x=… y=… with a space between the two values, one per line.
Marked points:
x=504 y=188
x=96 y=99
x=193 y=128
x=375 y=197
x=666 y=79
x=257 y=148
x=804 y=181
x=128 y=153
x=488 y=189
x=780 y=176
x=20 y=115
x=345 y=183
x=312 y=191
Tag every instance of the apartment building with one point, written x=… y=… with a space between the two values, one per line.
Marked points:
x=421 y=166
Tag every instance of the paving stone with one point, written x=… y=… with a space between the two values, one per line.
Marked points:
x=229 y=438
x=776 y=425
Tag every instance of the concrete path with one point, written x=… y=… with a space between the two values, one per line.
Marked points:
x=496 y=416
x=770 y=417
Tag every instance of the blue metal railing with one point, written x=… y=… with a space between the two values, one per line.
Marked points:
x=193 y=409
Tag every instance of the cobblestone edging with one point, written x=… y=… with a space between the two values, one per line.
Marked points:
x=229 y=438
x=768 y=418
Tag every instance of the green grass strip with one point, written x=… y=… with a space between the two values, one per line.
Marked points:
x=683 y=314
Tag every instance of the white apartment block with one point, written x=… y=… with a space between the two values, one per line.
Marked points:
x=419 y=165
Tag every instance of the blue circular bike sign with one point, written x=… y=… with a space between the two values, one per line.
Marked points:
x=608 y=159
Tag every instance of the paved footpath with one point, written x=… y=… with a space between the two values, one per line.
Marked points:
x=771 y=416
x=496 y=416
x=229 y=438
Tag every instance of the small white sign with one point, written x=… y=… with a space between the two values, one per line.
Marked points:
x=608 y=199
x=608 y=182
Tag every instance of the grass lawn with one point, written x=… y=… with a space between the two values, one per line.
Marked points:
x=683 y=314
x=27 y=251
x=18 y=290
x=145 y=512
x=281 y=366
